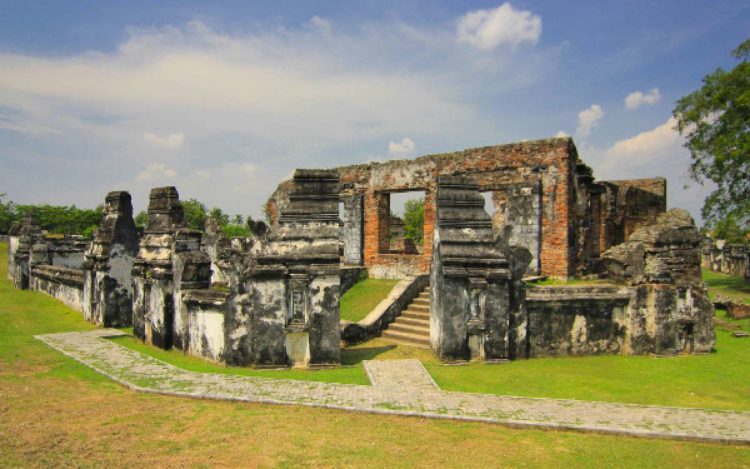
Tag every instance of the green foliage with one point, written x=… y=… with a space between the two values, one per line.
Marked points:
x=716 y=122
x=414 y=220
x=217 y=214
x=7 y=214
x=234 y=230
x=140 y=219
x=195 y=214
x=731 y=231
x=359 y=300
x=89 y=231
x=61 y=219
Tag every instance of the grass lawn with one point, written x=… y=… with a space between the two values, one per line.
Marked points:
x=56 y=412
x=732 y=287
x=359 y=300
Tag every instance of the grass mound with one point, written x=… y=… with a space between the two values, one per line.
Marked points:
x=363 y=297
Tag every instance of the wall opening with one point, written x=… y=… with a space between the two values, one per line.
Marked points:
x=402 y=219
x=491 y=208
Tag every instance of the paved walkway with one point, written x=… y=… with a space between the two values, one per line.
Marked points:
x=400 y=387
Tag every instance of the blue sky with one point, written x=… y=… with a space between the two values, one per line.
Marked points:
x=225 y=98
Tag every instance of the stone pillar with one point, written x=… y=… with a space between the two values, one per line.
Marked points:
x=295 y=281
x=469 y=278
x=108 y=265
x=352 y=229
x=153 y=274
x=27 y=233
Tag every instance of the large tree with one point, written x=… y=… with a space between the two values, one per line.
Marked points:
x=716 y=123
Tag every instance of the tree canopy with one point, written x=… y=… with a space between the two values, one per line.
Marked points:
x=414 y=220
x=715 y=120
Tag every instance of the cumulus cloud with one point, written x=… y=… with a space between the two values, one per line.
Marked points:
x=171 y=142
x=487 y=29
x=588 y=119
x=156 y=171
x=405 y=147
x=637 y=98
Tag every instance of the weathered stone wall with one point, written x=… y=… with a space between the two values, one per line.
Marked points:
x=62 y=283
x=350 y=276
x=577 y=320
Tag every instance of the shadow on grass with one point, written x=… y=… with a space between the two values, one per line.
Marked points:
x=355 y=356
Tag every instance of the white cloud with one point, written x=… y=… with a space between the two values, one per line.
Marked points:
x=561 y=134
x=170 y=142
x=324 y=26
x=644 y=145
x=156 y=171
x=403 y=148
x=651 y=153
x=637 y=98
x=487 y=29
x=276 y=97
x=588 y=119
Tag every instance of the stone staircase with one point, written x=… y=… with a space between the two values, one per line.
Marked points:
x=412 y=326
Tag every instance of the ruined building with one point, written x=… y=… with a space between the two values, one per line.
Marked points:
x=541 y=189
x=273 y=300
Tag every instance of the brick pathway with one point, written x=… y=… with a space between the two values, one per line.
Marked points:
x=400 y=387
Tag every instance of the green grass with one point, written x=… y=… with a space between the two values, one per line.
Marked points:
x=732 y=287
x=363 y=297
x=55 y=412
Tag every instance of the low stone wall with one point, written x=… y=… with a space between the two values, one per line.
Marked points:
x=581 y=320
x=62 y=283
x=385 y=312
x=729 y=259
x=350 y=276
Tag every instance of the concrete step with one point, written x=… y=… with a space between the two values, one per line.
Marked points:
x=422 y=322
x=409 y=329
x=408 y=339
x=421 y=301
x=415 y=307
x=410 y=313
x=425 y=295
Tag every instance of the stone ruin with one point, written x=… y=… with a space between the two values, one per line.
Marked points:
x=725 y=258
x=273 y=300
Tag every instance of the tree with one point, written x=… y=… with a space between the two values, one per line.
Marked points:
x=7 y=214
x=195 y=214
x=716 y=122
x=729 y=230
x=219 y=215
x=140 y=219
x=61 y=219
x=414 y=220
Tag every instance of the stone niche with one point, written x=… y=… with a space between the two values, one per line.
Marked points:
x=670 y=310
x=470 y=279
x=108 y=264
x=294 y=283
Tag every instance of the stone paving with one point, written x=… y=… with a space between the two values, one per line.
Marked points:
x=400 y=387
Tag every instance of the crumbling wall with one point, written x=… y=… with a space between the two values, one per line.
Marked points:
x=62 y=283
x=670 y=310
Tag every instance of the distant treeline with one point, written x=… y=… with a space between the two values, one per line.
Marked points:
x=53 y=218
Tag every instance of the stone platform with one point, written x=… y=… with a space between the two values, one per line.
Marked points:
x=400 y=387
